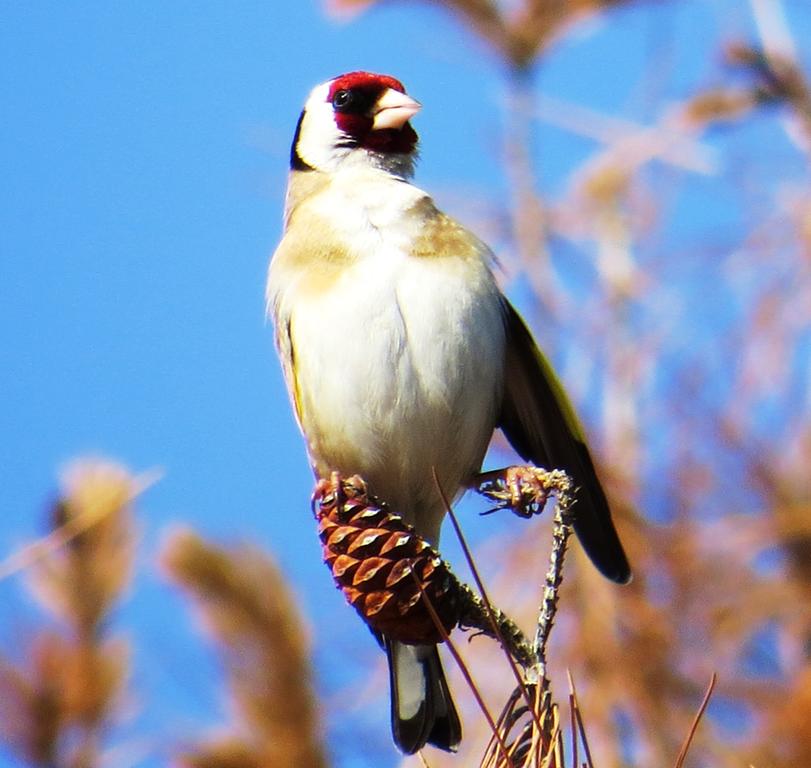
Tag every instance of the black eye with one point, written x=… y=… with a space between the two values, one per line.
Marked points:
x=342 y=99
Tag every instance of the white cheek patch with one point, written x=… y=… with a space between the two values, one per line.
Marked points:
x=320 y=138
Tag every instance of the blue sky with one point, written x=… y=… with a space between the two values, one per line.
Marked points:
x=143 y=152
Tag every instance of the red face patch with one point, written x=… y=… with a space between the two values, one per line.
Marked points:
x=353 y=97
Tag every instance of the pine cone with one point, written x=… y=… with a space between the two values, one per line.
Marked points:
x=374 y=556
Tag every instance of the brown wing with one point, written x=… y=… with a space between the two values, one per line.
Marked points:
x=540 y=423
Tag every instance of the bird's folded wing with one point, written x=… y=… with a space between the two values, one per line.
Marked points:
x=540 y=423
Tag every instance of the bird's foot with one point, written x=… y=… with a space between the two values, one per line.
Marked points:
x=524 y=489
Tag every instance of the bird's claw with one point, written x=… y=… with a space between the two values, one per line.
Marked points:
x=523 y=489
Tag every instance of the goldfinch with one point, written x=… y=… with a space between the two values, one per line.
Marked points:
x=401 y=354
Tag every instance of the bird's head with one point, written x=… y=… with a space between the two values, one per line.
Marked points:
x=356 y=118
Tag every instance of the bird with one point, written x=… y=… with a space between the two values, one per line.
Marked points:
x=401 y=354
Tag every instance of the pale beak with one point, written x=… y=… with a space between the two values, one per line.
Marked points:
x=393 y=109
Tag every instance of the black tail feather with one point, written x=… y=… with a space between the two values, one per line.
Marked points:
x=422 y=709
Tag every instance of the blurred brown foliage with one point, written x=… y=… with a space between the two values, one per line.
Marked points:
x=56 y=704
x=247 y=607
x=519 y=35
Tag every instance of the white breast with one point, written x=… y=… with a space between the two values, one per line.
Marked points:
x=398 y=367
